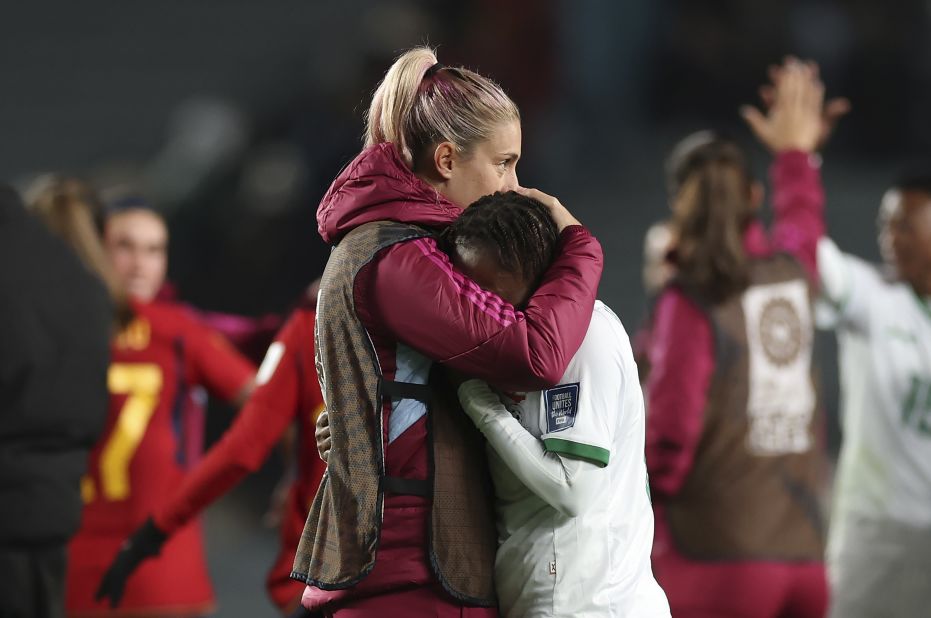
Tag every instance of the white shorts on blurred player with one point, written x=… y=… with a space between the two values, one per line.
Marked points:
x=879 y=548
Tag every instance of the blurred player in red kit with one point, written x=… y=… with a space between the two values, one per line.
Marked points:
x=142 y=455
x=287 y=391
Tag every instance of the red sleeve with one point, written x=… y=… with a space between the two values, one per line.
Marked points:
x=422 y=301
x=253 y=433
x=681 y=355
x=215 y=364
x=798 y=204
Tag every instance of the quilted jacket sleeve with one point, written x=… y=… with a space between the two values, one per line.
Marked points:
x=415 y=294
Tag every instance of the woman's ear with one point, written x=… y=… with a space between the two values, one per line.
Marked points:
x=444 y=156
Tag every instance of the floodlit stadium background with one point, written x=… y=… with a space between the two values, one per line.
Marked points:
x=234 y=116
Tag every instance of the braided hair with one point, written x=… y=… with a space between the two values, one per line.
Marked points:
x=517 y=229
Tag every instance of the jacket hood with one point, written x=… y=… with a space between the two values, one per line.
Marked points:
x=378 y=186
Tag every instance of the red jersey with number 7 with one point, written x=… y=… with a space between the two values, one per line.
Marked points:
x=142 y=456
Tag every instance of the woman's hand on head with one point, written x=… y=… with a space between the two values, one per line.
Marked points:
x=795 y=114
x=561 y=216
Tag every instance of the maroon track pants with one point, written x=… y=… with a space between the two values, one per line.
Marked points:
x=745 y=589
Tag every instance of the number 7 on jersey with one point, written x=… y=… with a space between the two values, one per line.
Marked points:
x=142 y=383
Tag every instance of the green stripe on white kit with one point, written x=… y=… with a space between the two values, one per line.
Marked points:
x=594 y=454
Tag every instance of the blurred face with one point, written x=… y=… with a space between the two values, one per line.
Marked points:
x=657 y=270
x=489 y=167
x=481 y=266
x=137 y=243
x=905 y=235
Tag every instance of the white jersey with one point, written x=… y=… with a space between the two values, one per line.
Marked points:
x=549 y=562
x=884 y=344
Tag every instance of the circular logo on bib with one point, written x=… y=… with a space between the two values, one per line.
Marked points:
x=780 y=331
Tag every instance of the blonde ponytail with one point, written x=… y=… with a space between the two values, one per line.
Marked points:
x=413 y=110
x=69 y=208
x=394 y=98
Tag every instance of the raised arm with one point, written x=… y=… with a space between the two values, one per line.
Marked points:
x=792 y=129
x=798 y=205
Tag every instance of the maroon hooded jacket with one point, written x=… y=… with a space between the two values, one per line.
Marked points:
x=411 y=297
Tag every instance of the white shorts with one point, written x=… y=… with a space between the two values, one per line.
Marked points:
x=880 y=569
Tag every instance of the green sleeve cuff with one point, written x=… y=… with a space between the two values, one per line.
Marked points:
x=594 y=454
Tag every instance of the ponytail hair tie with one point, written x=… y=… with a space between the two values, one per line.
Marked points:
x=432 y=70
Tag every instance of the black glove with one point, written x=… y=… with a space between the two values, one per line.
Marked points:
x=301 y=612
x=144 y=543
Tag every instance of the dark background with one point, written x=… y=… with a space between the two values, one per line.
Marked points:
x=234 y=116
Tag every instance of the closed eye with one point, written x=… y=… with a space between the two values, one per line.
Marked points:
x=510 y=161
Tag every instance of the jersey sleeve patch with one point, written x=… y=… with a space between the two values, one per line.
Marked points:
x=561 y=406
x=595 y=454
x=270 y=363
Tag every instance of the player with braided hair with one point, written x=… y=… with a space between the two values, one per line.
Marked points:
x=574 y=521
x=512 y=231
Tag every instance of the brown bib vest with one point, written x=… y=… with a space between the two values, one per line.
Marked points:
x=752 y=490
x=341 y=537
